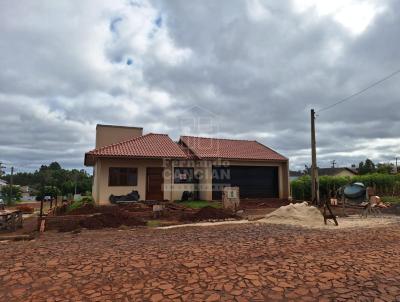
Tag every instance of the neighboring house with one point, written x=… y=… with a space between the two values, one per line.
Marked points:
x=161 y=169
x=336 y=172
x=3 y=183
x=26 y=194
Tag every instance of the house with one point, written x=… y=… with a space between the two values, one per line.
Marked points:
x=3 y=183
x=161 y=169
x=336 y=172
x=26 y=193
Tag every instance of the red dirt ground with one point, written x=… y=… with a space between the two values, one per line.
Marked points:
x=246 y=262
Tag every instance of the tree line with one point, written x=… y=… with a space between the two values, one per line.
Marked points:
x=52 y=180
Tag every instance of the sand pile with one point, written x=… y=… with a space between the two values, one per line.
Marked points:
x=297 y=214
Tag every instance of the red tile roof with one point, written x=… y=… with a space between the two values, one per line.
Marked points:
x=147 y=146
x=189 y=153
x=213 y=148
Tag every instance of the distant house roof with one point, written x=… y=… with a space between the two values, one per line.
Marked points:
x=334 y=171
x=214 y=148
x=296 y=173
x=146 y=146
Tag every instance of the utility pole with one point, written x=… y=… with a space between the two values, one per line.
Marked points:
x=314 y=168
x=11 y=185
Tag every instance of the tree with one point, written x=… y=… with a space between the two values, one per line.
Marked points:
x=48 y=191
x=367 y=167
x=385 y=168
x=54 y=166
x=16 y=193
x=54 y=176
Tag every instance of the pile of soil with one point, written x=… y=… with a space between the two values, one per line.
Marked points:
x=298 y=214
x=209 y=213
x=103 y=217
x=69 y=226
x=86 y=209
x=109 y=220
x=136 y=207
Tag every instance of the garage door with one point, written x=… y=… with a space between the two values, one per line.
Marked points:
x=254 y=182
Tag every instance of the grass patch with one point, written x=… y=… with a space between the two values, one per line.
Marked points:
x=198 y=204
x=391 y=199
x=153 y=223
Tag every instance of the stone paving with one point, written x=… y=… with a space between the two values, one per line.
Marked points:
x=245 y=262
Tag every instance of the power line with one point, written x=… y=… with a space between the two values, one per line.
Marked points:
x=361 y=91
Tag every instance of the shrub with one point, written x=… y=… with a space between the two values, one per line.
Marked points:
x=80 y=203
x=384 y=184
x=391 y=199
x=16 y=194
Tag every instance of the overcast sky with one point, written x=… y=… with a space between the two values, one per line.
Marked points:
x=256 y=67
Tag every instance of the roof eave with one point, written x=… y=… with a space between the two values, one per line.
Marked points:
x=90 y=158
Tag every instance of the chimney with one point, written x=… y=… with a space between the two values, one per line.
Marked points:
x=109 y=134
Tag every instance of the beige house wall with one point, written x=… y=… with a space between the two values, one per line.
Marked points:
x=102 y=191
x=108 y=134
x=345 y=173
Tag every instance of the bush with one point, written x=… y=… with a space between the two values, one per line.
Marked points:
x=80 y=203
x=384 y=184
x=25 y=209
x=16 y=194
x=391 y=199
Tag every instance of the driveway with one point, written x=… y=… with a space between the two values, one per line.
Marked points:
x=243 y=262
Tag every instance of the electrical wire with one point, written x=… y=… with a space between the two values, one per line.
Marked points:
x=360 y=91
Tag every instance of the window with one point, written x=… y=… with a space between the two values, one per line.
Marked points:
x=183 y=175
x=122 y=177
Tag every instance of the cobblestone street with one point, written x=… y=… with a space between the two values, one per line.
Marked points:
x=246 y=262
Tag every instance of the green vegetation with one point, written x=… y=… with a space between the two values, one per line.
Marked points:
x=198 y=204
x=384 y=184
x=391 y=199
x=16 y=194
x=53 y=180
x=369 y=167
x=153 y=223
x=80 y=203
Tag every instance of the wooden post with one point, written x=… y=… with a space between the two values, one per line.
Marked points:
x=11 y=186
x=314 y=168
x=40 y=214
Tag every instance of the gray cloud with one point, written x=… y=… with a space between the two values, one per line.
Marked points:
x=257 y=66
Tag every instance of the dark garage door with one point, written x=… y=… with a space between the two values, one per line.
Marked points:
x=254 y=182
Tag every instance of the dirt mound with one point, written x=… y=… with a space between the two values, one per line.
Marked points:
x=112 y=217
x=69 y=226
x=88 y=209
x=208 y=213
x=298 y=214
x=136 y=207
